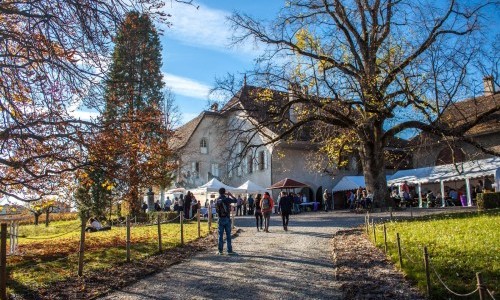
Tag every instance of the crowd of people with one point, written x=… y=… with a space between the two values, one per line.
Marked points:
x=187 y=205
x=408 y=196
x=359 y=199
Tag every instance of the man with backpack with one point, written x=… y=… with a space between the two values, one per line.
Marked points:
x=286 y=203
x=267 y=205
x=223 y=208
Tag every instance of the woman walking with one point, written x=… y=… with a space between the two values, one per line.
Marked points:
x=258 y=212
x=266 y=206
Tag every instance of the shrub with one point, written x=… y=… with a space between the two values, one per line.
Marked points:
x=488 y=200
x=164 y=216
x=28 y=219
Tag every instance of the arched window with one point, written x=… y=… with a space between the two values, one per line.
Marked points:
x=203 y=146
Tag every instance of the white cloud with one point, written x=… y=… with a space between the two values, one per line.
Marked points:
x=84 y=115
x=186 y=87
x=203 y=27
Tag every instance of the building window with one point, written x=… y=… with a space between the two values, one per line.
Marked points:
x=215 y=170
x=203 y=146
x=261 y=160
x=229 y=169
x=195 y=168
x=249 y=165
x=239 y=170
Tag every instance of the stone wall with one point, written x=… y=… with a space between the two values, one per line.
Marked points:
x=427 y=154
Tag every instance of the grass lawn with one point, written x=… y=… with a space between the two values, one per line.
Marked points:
x=49 y=254
x=459 y=245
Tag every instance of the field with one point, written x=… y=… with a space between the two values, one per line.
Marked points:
x=459 y=245
x=49 y=254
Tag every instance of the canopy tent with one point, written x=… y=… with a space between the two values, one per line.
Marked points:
x=287 y=183
x=214 y=185
x=348 y=183
x=250 y=187
x=450 y=172
x=176 y=190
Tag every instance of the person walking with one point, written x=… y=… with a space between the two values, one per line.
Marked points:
x=239 y=203
x=168 y=204
x=244 y=206
x=251 y=204
x=267 y=205
x=286 y=204
x=187 y=204
x=223 y=208
x=194 y=207
x=325 y=200
x=258 y=211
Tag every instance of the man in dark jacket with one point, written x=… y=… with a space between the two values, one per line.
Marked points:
x=285 y=204
x=223 y=208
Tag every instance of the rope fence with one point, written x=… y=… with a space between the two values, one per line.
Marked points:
x=32 y=263
x=481 y=289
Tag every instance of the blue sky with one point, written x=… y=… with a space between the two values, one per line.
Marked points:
x=195 y=48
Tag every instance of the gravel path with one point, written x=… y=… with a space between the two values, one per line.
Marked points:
x=296 y=264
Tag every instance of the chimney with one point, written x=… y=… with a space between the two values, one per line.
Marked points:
x=214 y=107
x=489 y=85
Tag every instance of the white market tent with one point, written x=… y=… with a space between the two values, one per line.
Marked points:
x=214 y=185
x=348 y=183
x=451 y=172
x=251 y=188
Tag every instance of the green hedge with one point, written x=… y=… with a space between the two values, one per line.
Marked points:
x=488 y=200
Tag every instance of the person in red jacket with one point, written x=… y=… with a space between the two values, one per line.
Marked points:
x=267 y=205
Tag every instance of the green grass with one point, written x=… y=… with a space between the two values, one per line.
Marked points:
x=50 y=254
x=459 y=245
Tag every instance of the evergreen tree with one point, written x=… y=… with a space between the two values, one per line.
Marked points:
x=133 y=115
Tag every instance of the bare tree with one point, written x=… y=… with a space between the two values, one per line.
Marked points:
x=52 y=53
x=367 y=71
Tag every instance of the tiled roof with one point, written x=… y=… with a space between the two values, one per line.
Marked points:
x=263 y=105
x=183 y=133
x=468 y=110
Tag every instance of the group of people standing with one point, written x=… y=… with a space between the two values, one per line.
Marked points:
x=186 y=205
x=262 y=208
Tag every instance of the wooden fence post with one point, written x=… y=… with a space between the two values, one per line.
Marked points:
x=182 y=228
x=199 y=224
x=411 y=211
x=367 y=223
x=159 y=234
x=209 y=217
x=399 y=251
x=81 y=251
x=374 y=233
x=480 y=286
x=390 y=212
x=385 y=238
x=3 y=261
x=427 y=272
x=128 y=238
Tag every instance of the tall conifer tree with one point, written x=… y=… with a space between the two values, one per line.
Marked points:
x=135 y=129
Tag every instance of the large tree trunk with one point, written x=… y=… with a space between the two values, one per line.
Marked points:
x=371 y=152
x=36 y=218
x=47 y=220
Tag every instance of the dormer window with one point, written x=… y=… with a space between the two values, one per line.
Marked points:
x=203 y=146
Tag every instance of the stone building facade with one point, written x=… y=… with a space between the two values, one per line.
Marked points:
x=224 y=144
x=433 y=150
